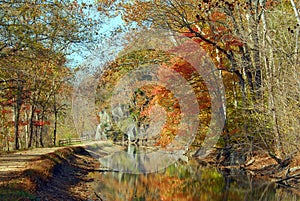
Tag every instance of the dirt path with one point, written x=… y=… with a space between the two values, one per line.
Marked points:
x=70 y=180
x=20 y=160
x=59 y=173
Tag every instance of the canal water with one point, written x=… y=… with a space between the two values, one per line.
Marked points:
x=186 y=182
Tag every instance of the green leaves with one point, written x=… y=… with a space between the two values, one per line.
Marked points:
x=35 y=38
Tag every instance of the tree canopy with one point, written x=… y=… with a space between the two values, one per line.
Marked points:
x=254 y=44
x=36 y=36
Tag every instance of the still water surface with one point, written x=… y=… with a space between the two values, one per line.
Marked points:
x=187 y=182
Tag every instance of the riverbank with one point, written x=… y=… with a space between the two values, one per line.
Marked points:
x=65 y=173
x=261 y=165
x=61 y=174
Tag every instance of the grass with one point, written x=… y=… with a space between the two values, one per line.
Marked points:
x=10 y=194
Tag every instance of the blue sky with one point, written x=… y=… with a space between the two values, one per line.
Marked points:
x=78 y=57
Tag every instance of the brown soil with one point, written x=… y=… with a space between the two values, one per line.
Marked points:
x=62 y=173
x=69 y=180
x=47 y=174
x=284 y=172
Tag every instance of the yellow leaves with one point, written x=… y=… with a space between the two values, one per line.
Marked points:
x=106 y=2
x=217 y=16
x=107 y=6
x=138 y=11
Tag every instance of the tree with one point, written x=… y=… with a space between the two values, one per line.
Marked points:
x=245 y=39
x=35 y=38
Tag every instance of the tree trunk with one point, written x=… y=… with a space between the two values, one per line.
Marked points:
x=55 y=127
x=36 y=132
x=55 y=120
x=26 y=128
x=41 y=130
x=31 y=126
x=298 y=29
x=41 y=119
x=17 y=109
x=271 y=77
x=256 y=55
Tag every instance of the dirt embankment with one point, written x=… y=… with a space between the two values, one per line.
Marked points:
x=63 y=173
x=59 y=175
x=284 y=172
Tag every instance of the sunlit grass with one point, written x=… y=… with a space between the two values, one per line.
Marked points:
x=10 y=194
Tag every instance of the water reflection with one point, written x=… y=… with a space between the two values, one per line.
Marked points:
x=139 y=160
x=187 y=183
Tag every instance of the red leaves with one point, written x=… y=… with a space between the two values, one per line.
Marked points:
x=184 y=68
x=204 y=106
x=233 y=41
x=41 y=123
x=23 y=123
x=270 y=4
x=6 y=111
x=10 y=122
x=38 y=111
x=198 y=40
x=190 y=34
x=7 y=103
x=178 y=65
x=157 y=90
